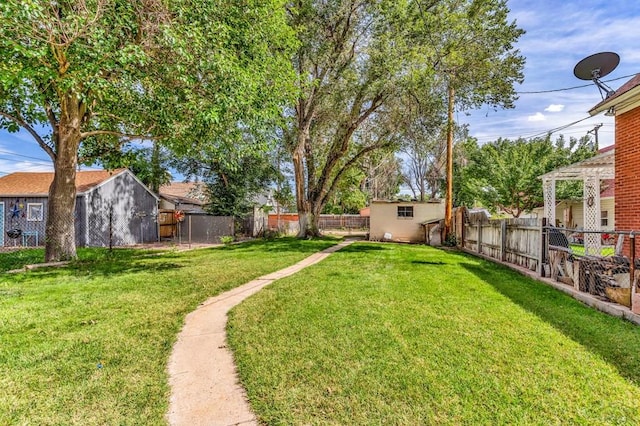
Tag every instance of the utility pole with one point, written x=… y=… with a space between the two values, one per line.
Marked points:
x=595 y=132
x=448 y=208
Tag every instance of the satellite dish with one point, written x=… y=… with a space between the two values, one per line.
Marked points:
x=595 y=67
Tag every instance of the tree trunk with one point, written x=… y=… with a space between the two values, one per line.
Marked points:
x=307 y=221
x=308 y=225
x=60 y=243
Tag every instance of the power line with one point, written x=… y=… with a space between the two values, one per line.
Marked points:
x=540 y=133
x=26 y=156
x=570 y=88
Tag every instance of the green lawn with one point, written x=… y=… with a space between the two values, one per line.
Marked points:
x=89 y=344
x=604 y=251
x=407 y=335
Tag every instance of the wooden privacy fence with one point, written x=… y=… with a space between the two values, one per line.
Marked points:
x=289 y=221
x=516 y=241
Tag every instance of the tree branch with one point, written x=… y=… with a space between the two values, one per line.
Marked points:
x=85 y=135
x=364 y=151
x=18 y=119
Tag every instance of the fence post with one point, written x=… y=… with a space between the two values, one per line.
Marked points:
x=480 y=237
x=462 y=225
x=635 y=297
x=503 y=239
x=543 y=246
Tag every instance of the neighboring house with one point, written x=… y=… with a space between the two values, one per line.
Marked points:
x=402 y=221
x=112 y=208
x=570 y=213
x=597 y=210
x=189 y=197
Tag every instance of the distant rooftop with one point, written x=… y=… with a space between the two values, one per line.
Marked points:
x=184 y=192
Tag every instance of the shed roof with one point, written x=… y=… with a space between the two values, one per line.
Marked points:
x=36 y=184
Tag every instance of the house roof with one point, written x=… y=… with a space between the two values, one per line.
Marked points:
x=627 y=97
x=184 y=192
x=603 y=165
x=608 y=188
x=32 y=184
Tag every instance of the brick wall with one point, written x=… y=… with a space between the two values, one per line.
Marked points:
x=628 y=172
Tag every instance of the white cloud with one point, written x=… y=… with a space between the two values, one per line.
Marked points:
x=538 y=116
x=554 y=108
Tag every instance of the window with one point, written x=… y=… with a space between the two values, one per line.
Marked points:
x=405 y=211
x=604 y=218
x=34 y=212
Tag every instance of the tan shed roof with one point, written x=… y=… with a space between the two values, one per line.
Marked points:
x=37 y=183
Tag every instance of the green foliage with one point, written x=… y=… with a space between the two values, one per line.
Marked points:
x=150 y=165
x=191 y=74
x=232 y=185
x=347 y=197
x=450 y=241
x=503 y=175
x=227 y=239
x=474 y=49
x=283 y=195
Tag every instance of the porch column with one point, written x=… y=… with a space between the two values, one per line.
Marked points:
x=549 y=189
x=591 y=204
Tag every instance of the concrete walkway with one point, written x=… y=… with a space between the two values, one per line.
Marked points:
x=204 y=384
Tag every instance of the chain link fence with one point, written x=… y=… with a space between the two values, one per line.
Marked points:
x=601 y=263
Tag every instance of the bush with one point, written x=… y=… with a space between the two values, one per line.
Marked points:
x=450 y=240
x=226 y=239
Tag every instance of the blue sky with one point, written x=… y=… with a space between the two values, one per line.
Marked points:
x=559 y=34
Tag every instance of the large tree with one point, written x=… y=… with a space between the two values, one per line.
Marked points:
x=358 y=58
x=99 y=72
x=475 y=60
x=504 y=174
x=349 y=64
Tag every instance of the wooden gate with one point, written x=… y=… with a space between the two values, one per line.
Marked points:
x=168 y=223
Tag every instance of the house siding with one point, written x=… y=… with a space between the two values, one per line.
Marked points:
x=384 y=219
x=120 y=212
x=627 y=171
x=21 y=221
x=577 y=213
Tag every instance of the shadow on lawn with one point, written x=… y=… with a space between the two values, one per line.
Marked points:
x=615 y=340
x=428 y=262
x=362 y=248
x=105 y=268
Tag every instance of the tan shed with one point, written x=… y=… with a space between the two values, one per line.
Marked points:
x=402 y=221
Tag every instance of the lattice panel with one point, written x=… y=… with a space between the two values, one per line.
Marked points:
x=549 y=188
x=592 y=215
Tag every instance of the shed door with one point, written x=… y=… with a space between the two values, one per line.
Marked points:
x=1 y=223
